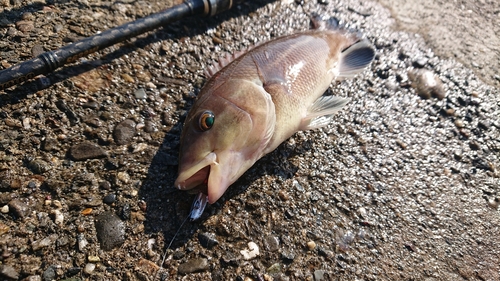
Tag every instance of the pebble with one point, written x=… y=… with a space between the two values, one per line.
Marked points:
x=193 y=265
x=38 y=166
x=311 y=245
x=139 y=147
x=147 y=266
x=72 y=117
x=287 y=255
x=82 y=242
x=420 y=62
x=427 y=84
x=140 y=94
x=494 y=202
x=86 y=211
x=93 y=259
x=275 y=268
x=251 y=252
x=49 y=274
x=231 y=258
x=484 y=125
x=450 y=112
x=4 y=229
x=459 y=123
x=474 y=145
x=42 y=243
x=73 y=271
x=58 y=217
x=86 y=150
x=91 y=105
x=19 y=208
x=25 y=26
x=109 y=199
x=37 y=50
x=319 y=275
x=9 y=272
x=49 y=144
x=271 y=243
x=5 y=209
x=106 y=185
x=207 y=240
x=127 y=78
x=124 y=132
x=123 y=177
x=110 y=230
x=89 y=268
x=92 y=120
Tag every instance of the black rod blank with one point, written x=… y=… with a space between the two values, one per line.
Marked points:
x=49 y=61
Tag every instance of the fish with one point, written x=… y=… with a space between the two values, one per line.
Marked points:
x=257 y=100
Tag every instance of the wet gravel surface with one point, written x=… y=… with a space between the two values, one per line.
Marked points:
x=404 y=185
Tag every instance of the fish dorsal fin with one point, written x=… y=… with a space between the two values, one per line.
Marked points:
x=355 y=58
x=322 y=111
x=227 y=59
x=224 y=61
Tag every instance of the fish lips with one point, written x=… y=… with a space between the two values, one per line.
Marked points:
x=207 y=171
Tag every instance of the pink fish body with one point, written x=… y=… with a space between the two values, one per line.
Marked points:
x=259 y=100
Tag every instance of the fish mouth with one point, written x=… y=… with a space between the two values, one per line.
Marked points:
x=197 y=174
x=207 y=176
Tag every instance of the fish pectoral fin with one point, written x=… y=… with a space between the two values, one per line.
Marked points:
x=322 y=111
x=355 y=58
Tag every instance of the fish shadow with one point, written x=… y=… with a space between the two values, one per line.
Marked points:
x=168 y=208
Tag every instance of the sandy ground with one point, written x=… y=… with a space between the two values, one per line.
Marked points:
x=398 y=187
x=465 y=30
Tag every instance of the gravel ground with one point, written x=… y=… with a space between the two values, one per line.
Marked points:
x=404 y=185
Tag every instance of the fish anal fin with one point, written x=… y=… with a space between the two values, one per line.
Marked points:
x=322 y=111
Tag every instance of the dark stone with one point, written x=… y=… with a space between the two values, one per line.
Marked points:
x=49 y=144
x=49 y=274
x=125 y=212
x=109 y=199
x=178 y=255
x=73 y=271
x=124 y=132
x=207 y=240
x=287 y=256
x=86 y=150
x=110 y=230
x=38 y=166
x=73 y=118
x=19 y=208
x=271 y=243
x=231 y=258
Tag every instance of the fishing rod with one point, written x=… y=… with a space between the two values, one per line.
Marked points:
x=50 y=61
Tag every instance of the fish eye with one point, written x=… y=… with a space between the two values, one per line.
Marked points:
x=206 y=120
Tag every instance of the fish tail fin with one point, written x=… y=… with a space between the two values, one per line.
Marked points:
x=355 y=58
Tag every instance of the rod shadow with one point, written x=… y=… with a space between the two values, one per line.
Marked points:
x=175 y=30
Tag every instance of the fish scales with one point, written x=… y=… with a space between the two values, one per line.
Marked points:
x=259 y=100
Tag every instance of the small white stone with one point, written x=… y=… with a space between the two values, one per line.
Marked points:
x=123 y=177
x=251 y=252
x=5 y=209
x=58 y=217
x=89 y=268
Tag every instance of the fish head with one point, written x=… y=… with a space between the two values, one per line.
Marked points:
x=224 y=133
